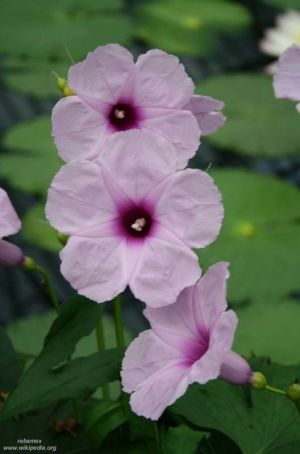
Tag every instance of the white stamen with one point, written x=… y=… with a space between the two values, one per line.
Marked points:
x=120 y=114
x=139 y=224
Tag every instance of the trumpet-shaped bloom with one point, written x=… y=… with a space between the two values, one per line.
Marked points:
x=189 y=341
x=132 y=220
x=10 y=255
x=115 y=94
x=287 y=78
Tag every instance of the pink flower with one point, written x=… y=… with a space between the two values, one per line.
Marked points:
x=115 y=94
x=132 y=220
x=189 y=341
x=287 y=78
x=10 y=255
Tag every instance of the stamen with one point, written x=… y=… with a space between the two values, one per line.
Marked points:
x=139 y=224
x=120 y=114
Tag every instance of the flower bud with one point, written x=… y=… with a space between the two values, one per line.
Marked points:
x=29 y=264
x=235 y=369
x=293 y=392
x=10 y=254
x=258 y=381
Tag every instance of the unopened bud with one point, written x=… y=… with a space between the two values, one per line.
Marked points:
x=63 y=86
x=68 y=91
x=29 y=264
x=258 y=380
x=293 y=392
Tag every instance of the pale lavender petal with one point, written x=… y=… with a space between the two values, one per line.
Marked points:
x=235 y=369
x=10 y=254
x=78 y=198
x=138 y=161
x=103 y=73
x=207 y=112
x=221 y=336
x=210 y=295
x=78 y=129
x=190 y=206
x=95 y=267
x=154 y=372
x=9 y=221
x=177 y=126
x=166 y=266
x=287 y=78
x=161 y=81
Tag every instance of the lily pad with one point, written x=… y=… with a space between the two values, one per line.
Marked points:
x=35 y=78
x=38 y=231
x=269 y=328
x=31 y=160
x=42 y=30
x=260 y=236
x=257 y=124
x=190 y=27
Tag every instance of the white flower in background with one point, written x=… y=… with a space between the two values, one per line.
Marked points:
x=286 y=33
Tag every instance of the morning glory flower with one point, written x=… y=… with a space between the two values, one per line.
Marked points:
x=132 y=220
x=287 y=77
x=10 y=255
x=114 y=94
x=189 y=342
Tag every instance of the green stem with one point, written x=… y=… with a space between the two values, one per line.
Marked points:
x=47 y=286
x=157 y=437
x=275 y=390
x=101 y=347
x=119 y=328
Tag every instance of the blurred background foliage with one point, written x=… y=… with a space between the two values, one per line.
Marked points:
x=254 y=159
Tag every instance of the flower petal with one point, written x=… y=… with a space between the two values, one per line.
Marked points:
x=95 y=267
x=102 y=74
x=10 y=254
x=190 y=206
x=161 y=81
x=235 y=369
x=145 y=160
x=287 y=78
x=177 y=126
x=155 y=374
x=78 y=198
x=206 y=111
x=165 y=267
x=77 y=128
x=208 y=367
x=9 y=221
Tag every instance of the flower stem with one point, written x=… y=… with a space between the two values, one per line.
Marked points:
x=31 y=265
x=101 y=347
x=119 y=328
x=275 y=390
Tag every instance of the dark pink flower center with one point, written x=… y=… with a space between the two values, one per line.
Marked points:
x=136 y=221
x=196 y=349
x=123 y=116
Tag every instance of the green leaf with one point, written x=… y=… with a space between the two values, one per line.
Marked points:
x=284 y=4
x=102 y=419
x=38 y=231
x=265 y=423
x=51 y=377
x=10 y=369
x=259 y=326
x=259 y=237
x=46 y=28
x=32 y=77
x=190 y=27
x=182 y=439
x=31 y=160
x=39 y=425
x=257 y=124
